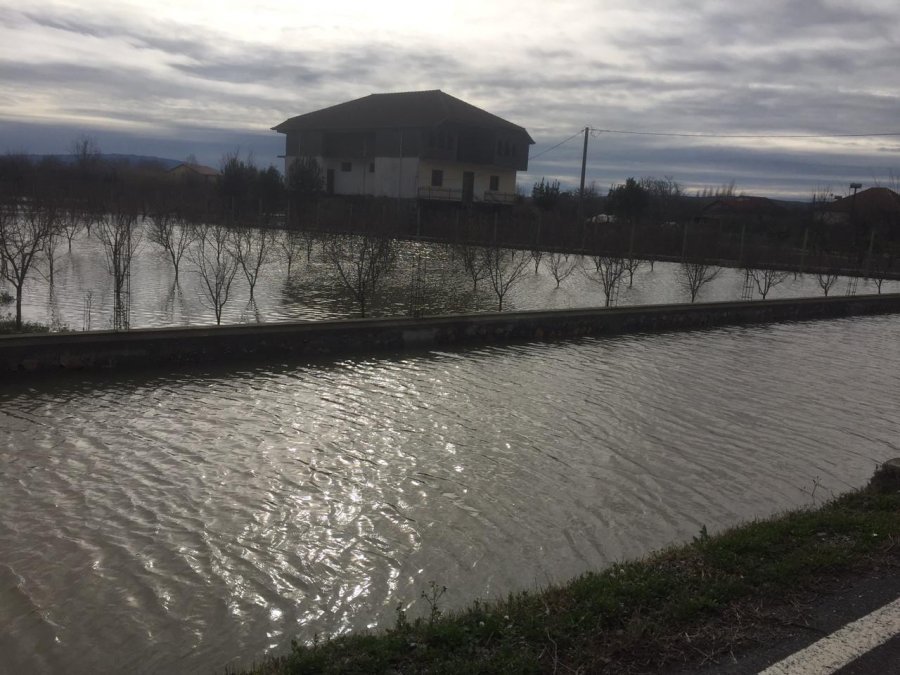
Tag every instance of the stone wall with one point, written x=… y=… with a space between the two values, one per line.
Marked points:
x=149 y=347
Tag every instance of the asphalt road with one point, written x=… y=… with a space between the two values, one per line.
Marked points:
x=830 y=611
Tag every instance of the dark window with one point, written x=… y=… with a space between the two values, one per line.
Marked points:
x=346 y=166
x=371 y=167
x=437 y=178
x=495 y=183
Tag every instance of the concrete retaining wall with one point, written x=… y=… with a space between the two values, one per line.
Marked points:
x=149 y=347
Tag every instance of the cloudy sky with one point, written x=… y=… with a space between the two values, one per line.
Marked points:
x=177 y=77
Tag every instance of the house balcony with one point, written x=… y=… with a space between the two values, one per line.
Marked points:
x=441 y=194
x=493 y=197
x=458 y=195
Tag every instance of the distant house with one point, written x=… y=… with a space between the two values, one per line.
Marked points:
x=743 y=208
x=419 y=144
x=194 y=170
x=874 y=207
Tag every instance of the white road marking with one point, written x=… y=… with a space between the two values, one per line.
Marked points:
x=835 y=651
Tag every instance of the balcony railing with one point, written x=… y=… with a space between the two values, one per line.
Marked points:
x=443 y=194
x=493 y=197
x=455 y=195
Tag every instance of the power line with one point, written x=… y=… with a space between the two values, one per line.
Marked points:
x=544 y=152
x=702 y=135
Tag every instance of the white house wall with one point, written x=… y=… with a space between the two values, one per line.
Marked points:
x=408 y=175
x=453 y=176
x=393 y=174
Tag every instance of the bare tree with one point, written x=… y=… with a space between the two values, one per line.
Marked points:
x=826 y=280
x=252 y=248
x=505 y=267
x=292 y=243
x=121 y=239
x=607 y=272
x=72 y=220
x=216 y=265
x=632 y=265
x=174 y=234
x=473 y=262
x=49 y=251
x=560 y=266
x=766 y=280
x=24 y=231
x=361 y=262
x=536 y=256
x=693 y=276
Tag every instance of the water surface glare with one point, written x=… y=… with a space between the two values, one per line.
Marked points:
x=185 y=521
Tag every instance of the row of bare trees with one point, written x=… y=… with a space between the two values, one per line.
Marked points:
x=31 y=228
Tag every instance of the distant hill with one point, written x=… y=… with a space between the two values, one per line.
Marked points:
x=115 y=158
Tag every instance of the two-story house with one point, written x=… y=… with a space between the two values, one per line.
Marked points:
x=418 y=144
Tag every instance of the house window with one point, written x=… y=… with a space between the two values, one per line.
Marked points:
x=437 y=177
x=371 y=167
x=495 y=183
x=346 y=166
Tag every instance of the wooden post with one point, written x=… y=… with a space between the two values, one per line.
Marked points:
x=803 y=250
x=868 y=267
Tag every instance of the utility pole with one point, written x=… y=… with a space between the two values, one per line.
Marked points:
x=583 y=169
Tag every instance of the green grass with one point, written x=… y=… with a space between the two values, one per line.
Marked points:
x=704 y=598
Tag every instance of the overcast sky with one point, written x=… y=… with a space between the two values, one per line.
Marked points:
x=203 y=77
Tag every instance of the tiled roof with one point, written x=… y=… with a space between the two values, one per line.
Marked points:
x=876 y=200
x=421 y=109
x=744 y=205
x=196 y=168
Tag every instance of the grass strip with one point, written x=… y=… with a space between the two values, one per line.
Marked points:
x=669 y=610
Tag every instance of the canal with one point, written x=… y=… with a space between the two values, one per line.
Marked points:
x=184 y=521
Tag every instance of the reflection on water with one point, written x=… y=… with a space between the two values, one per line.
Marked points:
x=188 y=520
x=82 y=294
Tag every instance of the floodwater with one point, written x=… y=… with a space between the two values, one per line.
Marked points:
x=185 y=521
x=81 y=296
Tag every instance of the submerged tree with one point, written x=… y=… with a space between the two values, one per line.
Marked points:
x=252 y=248
x=826 y=280
x=216 y=265
x=25 y=229
x=632 y=265
x=693 y=276
x=607 y=272
x=121 y=238
x=361 y=262
x=174 y=235
x=473 y=262
x=767 y=279
x=561 y=267
x=504 y=268
x=292 y=244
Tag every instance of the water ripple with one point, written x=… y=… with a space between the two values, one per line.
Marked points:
x=195 y=519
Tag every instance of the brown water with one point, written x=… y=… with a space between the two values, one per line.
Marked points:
x=184 y=521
